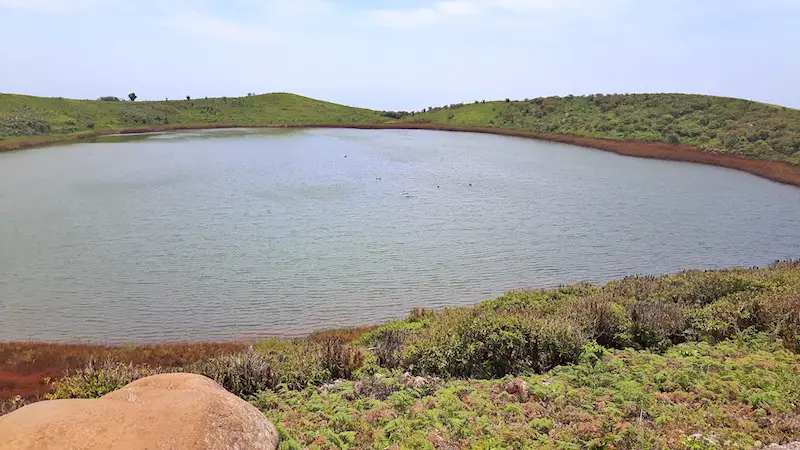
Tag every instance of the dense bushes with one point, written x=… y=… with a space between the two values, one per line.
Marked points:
x=533 y=331
x=518 y=333
x=716 y=124
x=738 y=394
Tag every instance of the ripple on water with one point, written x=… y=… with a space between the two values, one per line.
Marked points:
x=239 y=234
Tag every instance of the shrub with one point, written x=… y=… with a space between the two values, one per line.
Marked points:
x=339 y=359
x=606 y=321
x=97 y=381
x=282 y=363
x=243 y=374
x=492 y=345
x=387 y=345
x=12 y=404
x=592 y=353
x=722 y=319
x=656 y=324
x=637 y=287
x=109 y=99
x=780 y=313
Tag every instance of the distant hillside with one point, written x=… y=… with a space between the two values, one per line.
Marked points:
x=24 y=116
x=717 y=124
x=711 y=124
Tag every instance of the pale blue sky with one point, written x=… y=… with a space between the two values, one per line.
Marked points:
x=401 y=55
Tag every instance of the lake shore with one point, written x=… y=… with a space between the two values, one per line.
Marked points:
x=781 y=172
x=577 y=365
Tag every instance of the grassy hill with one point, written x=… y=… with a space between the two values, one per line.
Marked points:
x=26 y=118
x=715 y=124
x=711 y=124
x=693 y=360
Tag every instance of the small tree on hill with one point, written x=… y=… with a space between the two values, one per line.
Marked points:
x=188 y=97
x=132 y=96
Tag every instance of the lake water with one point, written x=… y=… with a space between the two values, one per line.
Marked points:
x=219 y=235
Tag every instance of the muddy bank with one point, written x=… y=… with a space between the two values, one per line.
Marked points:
x=781 y=172
x=25 y=368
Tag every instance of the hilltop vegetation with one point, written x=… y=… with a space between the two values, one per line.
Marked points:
x=694 y=360
x=714 y=124
x=24 y=117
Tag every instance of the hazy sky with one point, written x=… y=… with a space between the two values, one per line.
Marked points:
x=400 y=55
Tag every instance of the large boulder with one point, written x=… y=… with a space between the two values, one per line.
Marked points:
x=168 y=411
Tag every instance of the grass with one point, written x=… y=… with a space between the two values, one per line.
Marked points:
x=736 y=394
x=693 y=360
x=713 y=124
x=26 y=119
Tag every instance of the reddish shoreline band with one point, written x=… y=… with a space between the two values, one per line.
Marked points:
x=782 y=172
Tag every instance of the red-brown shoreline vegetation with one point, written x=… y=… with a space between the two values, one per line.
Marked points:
x=25 y=367
x=782 y=172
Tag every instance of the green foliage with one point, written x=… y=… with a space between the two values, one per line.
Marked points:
x=97 y=381
x=693 y=360
x=735 y=394
x=714 y=124
x=26 y=118
x=534 y=331
x=283 y=364
x=242 y=374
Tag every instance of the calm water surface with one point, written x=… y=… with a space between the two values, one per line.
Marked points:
x=224 y=235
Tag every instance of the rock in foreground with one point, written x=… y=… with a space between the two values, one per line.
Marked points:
x=168 y=411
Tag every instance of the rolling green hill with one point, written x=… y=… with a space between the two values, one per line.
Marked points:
x=25 y=118
x=712 y=124
x=715 y=124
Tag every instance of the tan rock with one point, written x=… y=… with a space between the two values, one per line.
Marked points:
x=167 y=411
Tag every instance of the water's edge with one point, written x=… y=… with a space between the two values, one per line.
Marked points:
x=778 y=171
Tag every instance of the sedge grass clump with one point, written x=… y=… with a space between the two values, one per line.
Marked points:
x=292 y=365
x=242 y=374
x=97 y=380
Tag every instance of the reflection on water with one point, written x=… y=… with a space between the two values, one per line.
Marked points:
x=222 y=133
x=229 y=234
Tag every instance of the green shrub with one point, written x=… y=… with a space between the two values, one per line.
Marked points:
x=97 y=381
x=12 y=404
x=656 y=324
x=283 y=363
x=702 y=288
x=779 y=312
x=339 y=359
x=491 y=345
x=242 y=374
x=605 y=320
